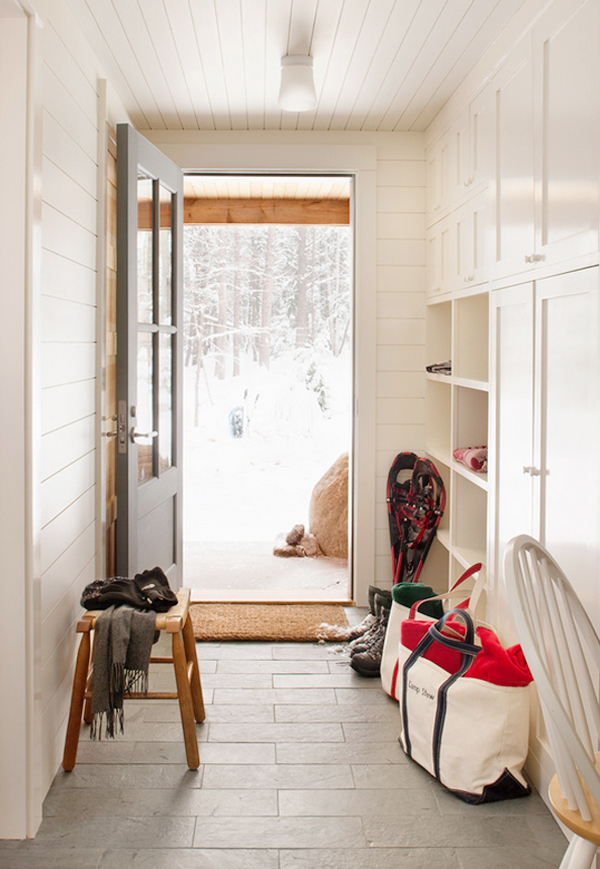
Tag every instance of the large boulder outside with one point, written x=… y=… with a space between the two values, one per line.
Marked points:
x=328 y=510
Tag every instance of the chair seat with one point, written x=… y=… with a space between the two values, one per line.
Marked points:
x=589 y=830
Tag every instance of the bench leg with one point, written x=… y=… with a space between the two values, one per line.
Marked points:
x=186 y=706
x=79 y=683
x=195 y=685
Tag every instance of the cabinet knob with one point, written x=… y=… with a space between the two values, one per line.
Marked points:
x=533 y=472
x=529 y=258
x=538 y=257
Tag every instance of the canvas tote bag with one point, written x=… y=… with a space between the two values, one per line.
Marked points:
x=404 y=595
x=469 y=733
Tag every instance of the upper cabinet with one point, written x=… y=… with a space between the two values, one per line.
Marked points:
x=545 y=98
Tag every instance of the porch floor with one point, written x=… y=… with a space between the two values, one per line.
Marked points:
x=300 y=769
x=248 y=571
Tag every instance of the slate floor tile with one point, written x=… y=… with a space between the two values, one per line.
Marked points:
x=197 y=802
x=31 y=854
x=348 y=752
x=130 y=832
x=280 y=776
x=358 y=803
x=378 y=858
x=501 y=858
x=322 y=732
x=312 y=832
x=197 y=858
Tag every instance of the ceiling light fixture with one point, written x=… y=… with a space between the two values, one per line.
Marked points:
x=297 y=92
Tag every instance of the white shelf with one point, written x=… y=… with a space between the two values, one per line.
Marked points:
x=474 y=477
x=457 y=416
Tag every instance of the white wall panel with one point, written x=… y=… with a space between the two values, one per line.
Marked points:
x=62 y=405
x=65 y=570
x=67 y=238
x=66 y=279
x=66 y=321
x=64 y=488
x=60 y=622
x=401 y=257
x=64 y=151
x=62 y=192
x=60 y=104
x=66 y=445
x=401 y=278
x=68 y=525
x=67 y=362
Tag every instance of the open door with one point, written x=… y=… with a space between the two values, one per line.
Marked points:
x=149 y=358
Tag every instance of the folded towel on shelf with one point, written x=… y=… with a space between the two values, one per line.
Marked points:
x=440 y=367
x=474 y=458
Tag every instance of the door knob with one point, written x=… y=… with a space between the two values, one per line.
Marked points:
x=142 y=434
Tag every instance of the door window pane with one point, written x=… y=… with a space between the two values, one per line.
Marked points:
x=144 y=416
x=165 y=438
x=165 y=258
x=144 y=249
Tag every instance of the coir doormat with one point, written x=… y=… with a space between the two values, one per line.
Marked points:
x=298 y=623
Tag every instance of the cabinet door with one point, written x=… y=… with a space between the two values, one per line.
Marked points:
x=441 y=257
x=472 y=242
x=514 y=183
x=567 y=56
x=480 y=138
x=438 y=178
x=566 y=426
x=511 y=429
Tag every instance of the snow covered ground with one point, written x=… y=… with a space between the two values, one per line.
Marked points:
x=259 y=485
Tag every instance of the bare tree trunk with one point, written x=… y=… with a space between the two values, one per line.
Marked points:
x=236 y=307
x=198 y=319
x=302 y=307
x=335 y=280
x=264 y=347
x=221 y=337
x=312 y=313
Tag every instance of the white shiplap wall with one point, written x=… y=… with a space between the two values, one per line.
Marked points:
x=400 y=319
x=74 y=105
x=68 y=509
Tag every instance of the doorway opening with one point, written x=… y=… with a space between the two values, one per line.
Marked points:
x=268 y=396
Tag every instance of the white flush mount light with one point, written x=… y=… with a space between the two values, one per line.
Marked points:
x=297 y=92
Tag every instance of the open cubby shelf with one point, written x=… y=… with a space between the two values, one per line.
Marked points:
x=457 y=416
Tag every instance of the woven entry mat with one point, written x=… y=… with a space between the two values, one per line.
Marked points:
x=297 y=623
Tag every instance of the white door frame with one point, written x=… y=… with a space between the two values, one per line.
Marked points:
x=20 y=347
x=359 y=161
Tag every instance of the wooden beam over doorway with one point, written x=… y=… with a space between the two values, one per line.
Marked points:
x=279 y=211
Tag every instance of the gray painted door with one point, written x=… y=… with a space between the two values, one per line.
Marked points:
x=149 y=357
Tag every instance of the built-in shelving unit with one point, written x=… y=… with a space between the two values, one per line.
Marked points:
x=457 y=415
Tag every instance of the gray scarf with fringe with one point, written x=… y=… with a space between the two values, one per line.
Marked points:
x=124 y=638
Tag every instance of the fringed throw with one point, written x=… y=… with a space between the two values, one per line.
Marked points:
x=124 y=638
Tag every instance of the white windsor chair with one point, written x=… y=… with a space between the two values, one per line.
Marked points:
x=563 y=653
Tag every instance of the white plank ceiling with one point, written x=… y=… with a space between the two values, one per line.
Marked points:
x=214 y=64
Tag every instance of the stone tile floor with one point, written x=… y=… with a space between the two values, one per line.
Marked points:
x=300 y=769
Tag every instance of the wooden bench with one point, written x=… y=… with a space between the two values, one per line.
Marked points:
x=187 y=677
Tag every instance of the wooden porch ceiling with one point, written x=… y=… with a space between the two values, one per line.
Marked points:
x=267 y=199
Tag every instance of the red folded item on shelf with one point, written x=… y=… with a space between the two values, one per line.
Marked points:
x=493 y=664
x=473 y=457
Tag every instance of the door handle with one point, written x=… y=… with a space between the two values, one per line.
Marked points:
x=533 y=472
x=142 y=434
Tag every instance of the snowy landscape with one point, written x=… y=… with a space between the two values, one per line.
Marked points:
x=268 y=387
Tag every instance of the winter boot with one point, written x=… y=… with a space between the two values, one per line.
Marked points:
x=378 y=600
x=368 y=661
